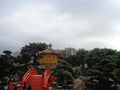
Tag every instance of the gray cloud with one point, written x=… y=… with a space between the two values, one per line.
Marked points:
x=65 y=23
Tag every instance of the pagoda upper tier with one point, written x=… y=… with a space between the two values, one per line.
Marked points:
x=49 y=51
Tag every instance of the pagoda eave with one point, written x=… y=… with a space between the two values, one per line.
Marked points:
x=49 y=54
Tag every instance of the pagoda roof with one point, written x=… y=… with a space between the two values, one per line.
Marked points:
x=49 y=51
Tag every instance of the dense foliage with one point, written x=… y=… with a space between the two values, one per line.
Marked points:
x=102 y=65
x=13 y=68
x=64 y=73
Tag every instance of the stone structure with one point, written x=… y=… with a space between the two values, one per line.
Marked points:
x=78 y=84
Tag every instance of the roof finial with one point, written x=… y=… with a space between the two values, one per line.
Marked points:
x=50 y=46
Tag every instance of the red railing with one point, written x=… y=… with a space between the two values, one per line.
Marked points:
x=47 y=79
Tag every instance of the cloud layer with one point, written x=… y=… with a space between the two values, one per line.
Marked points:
x=65 y=23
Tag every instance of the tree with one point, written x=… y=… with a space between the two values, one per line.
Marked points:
x=102 y=71
x=79 y=59
x=81 y=56
x=33 y=48
x=7 y=52
x=77 y=71
x=28 y=52
x=8 y=65
x=63 y=72
x=116 y=76
x=97 y=54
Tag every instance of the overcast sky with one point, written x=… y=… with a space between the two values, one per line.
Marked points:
x=64 y=23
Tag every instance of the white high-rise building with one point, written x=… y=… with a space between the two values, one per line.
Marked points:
x=70 y=51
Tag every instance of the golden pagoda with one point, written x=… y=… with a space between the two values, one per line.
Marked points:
x=49 y=58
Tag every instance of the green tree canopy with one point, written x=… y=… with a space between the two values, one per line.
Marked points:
x=33 y=48
x=8 y=67
x=28 y=52
x=64 y=73
x=7 y=52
